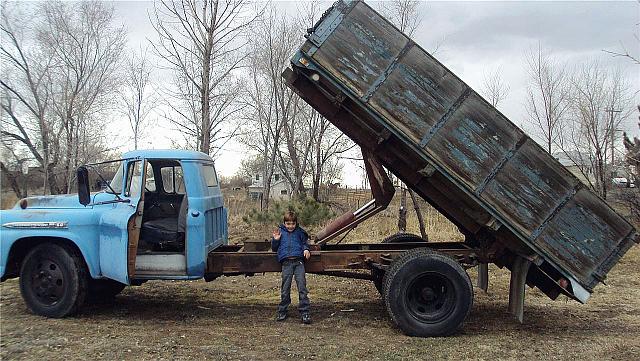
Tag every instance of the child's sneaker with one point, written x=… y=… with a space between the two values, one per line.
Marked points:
x=306 y=318
x=281 y=316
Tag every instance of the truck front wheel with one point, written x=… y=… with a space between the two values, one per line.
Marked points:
x=427 y=293
x=53 y=280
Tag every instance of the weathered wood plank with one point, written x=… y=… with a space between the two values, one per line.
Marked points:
x=529 y=187
x=359 y=50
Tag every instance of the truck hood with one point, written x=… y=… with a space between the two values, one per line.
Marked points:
x=57 y=201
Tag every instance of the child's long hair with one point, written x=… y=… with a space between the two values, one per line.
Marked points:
x=289 y=216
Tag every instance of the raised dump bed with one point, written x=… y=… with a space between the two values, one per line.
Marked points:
x=512 y=200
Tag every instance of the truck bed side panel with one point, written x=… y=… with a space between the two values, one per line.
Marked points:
x=583 y=234
x=360 y=50
x=394 y=85
x=529 y=187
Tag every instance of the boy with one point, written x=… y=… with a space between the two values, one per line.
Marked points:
x=290 y=241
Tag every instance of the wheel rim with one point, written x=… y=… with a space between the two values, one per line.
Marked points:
x=47 y=281
x=430 y=297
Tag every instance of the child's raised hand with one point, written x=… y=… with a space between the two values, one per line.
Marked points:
x=276 y=234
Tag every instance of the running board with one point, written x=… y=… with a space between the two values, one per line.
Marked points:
x=161 y=264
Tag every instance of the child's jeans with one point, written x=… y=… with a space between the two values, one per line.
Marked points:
x=293 y=268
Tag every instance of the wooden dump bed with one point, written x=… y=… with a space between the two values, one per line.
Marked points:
x=453 y=148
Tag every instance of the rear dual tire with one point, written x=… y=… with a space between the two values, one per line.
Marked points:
x=378 y=274
x=427 y=293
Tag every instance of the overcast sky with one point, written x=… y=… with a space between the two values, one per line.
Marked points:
x=479 y=37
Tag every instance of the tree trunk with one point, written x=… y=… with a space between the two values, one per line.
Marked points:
x=205 y=145
x=51 y=179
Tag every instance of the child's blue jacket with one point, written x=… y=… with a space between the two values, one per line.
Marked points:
x=290 y=244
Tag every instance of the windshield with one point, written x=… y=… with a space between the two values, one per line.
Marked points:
x=116 y=183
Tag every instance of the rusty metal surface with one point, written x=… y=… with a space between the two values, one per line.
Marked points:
x=335 y=225
x=328 y=258
x=452 y=147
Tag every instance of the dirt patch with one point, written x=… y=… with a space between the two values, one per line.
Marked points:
x=232 y=318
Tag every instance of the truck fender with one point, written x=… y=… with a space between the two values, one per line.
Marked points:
x=10 y=264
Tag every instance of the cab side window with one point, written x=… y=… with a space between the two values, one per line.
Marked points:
x=134 y=178
x=150 y=182
x=210 y=175
x=172 y=180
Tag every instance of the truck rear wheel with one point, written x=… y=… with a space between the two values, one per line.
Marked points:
x=53 y=280
x=378 y=275
x=427 y=293
x=403 y=238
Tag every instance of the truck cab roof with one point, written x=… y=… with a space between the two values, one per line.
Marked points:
x=167 y=154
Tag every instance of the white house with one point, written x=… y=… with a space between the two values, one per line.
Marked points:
x=279 y=187
x=578 y=164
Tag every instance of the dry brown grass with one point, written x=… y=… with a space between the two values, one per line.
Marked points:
x=438 y=227
x=7 y=200
x=232 y=319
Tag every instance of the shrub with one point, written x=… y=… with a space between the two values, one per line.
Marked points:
x=309 y=211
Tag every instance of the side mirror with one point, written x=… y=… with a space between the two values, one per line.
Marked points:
x=84 y=195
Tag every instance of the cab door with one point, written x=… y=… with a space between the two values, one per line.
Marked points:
x=120 y=226
x=206 y=217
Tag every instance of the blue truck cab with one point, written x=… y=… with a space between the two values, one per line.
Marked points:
x=159 y=218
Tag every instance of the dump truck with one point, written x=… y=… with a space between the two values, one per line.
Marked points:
x=162 y=216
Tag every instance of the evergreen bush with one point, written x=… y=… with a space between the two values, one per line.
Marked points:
x=309 y=211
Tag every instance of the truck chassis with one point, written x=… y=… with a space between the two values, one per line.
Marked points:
x=425 y=287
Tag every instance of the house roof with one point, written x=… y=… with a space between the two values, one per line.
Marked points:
x=572 y=158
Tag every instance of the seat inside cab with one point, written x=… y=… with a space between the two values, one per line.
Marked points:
x=165 y=209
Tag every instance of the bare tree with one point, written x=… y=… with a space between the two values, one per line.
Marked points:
x=58 y=82
x=591 y=130
x=13 y=161
x=547 y=95
x=87 y=47
x=26 y=97
x=632 y=157
x=494 y=88
x=139 y=96
x=329 y=143
x=298 y=134
x=323 y=143
x=624 y=52
x=270 y=104
x=201 y=41
x=405 y=14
